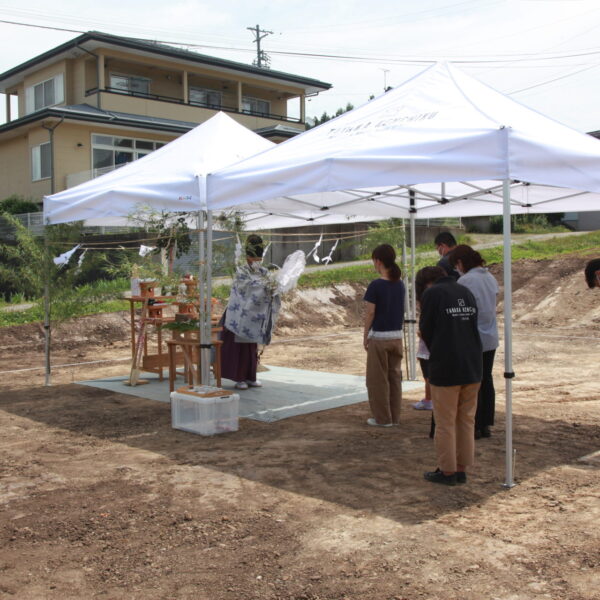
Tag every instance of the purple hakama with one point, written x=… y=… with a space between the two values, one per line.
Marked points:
x=238 y=361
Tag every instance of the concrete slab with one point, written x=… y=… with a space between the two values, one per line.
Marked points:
x=285 y=392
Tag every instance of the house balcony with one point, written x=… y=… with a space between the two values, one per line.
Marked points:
x=153 y=105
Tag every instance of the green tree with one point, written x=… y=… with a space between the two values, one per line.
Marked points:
x=171 y=229
x=325 y=117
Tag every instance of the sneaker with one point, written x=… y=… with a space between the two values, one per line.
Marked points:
x=374 y=423
x=241 y=385
x=438 y=477
x=256 y=383
x=461 y=477
x=423 y=405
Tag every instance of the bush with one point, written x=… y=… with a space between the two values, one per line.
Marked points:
x=529 y=224
x=16 y=205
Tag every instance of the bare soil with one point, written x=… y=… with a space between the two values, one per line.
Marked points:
x=100 y=498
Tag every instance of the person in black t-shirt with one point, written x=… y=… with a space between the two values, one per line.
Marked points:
x=384 y=315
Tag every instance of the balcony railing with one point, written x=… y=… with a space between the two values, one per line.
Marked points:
x=159 y=98
x=74 y=179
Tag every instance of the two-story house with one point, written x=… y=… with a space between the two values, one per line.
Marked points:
x=100 y=101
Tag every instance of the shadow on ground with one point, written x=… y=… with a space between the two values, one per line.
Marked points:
x=331 y=455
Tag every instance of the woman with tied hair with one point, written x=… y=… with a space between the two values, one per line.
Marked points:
x=384 y=316
x=483 y=286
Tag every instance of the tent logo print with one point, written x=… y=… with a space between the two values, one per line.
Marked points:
x=184 y=198
x=377 y=124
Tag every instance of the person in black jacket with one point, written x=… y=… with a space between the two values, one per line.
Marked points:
x=448 y=326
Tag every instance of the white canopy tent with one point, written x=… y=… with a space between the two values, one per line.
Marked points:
x=441 y=144
x=168 y=180
x=172 y=179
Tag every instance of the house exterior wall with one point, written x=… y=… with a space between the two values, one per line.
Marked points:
x=15 y=176
x=71 y=158
x=76 y=80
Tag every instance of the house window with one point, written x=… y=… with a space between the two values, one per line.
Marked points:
x=41 y=161
x=205 y=97
x=110 y=151
x=46 y=93
x=130 y=84
x=255 y=106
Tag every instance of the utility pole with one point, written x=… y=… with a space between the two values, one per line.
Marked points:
x=262 y=60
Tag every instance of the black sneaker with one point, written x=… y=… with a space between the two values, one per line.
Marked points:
x=461 y=477
x=438 y=477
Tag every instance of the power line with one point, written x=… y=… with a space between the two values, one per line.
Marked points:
x=407 y=61
x=41 y=26
x=554 y=79
x=509 y=60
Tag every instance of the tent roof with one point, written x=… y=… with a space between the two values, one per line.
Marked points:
x=167 y=179
x=440 y=126
x=170 y=179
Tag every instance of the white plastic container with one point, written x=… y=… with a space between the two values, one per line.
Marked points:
x=195 y=412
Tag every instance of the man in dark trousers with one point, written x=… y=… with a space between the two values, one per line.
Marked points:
x=448 y=326
x=444 y=243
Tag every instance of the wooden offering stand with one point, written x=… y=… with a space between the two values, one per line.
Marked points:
x=182 y=349
x=153 y=359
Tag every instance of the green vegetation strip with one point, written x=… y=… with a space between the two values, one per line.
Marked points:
x=104 y=296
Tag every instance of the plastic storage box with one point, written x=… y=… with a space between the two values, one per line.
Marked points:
x=204 y=410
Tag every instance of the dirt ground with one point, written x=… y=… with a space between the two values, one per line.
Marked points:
x=100 y=498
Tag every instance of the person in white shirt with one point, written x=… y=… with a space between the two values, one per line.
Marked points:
x=482 y=284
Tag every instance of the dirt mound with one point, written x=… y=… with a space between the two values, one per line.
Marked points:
x=552 y=293
x=307 y=311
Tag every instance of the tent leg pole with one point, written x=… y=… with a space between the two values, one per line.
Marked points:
x=407 y=301
x=508 y=371
x=208 y=311
x=201 y=267
x=48 y=368
x=412 y=346
x=203 y=286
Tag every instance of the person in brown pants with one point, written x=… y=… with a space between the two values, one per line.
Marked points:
x=384 y=315
x=448 y=325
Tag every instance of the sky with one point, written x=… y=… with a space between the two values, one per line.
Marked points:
x=542 y=53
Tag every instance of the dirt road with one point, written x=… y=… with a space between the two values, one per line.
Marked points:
x=100 y=498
